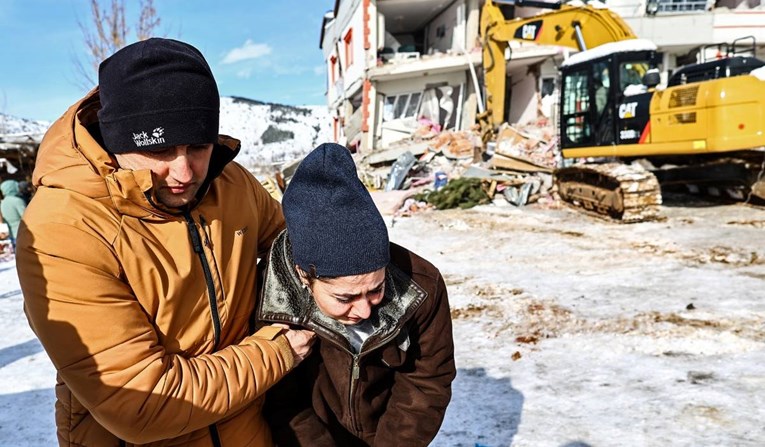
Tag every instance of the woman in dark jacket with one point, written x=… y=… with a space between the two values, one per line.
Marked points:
x=381 y=371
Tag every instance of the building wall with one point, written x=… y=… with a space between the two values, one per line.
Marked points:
x=353 y=56
x=355 y=102
x=447 y=31
x=523 y=103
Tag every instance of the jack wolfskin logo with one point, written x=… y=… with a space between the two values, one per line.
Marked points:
x=143 y=139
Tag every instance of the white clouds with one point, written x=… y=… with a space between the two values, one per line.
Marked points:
x=244 y=74
x=319 y=70
x=250 y=50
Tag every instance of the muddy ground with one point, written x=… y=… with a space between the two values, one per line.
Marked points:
x=571 y=330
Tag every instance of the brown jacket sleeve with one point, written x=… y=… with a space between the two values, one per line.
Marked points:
x=420 y=397
x=106 y=350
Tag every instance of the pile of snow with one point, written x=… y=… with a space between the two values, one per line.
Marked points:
x=273 y=134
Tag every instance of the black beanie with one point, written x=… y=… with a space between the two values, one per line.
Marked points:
x=157 y=93
x=332 y=222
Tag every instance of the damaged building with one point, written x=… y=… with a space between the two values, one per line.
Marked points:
x=394 y=66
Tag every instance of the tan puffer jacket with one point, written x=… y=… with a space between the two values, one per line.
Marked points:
x=145 y=314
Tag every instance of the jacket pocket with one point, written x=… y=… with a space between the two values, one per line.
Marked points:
x=394 y=354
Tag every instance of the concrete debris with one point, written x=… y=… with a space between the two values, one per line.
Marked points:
x=457 y=145
x=399 y=171
x=439 y=169
x=535 y=142
x=518 y=167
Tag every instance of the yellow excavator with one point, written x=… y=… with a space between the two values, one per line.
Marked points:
x=705 y=129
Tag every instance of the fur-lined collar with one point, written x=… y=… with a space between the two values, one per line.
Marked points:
x=285 y=300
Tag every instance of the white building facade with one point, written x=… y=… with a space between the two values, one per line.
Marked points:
x=397 y=65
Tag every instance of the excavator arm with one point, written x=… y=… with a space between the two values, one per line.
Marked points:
x=578 y=27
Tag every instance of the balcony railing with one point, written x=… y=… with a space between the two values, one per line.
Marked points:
x=678 y=6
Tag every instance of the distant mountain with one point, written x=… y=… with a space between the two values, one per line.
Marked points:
x=12 y=126
x=271 y=134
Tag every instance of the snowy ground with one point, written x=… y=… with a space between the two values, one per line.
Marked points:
x=570 y=331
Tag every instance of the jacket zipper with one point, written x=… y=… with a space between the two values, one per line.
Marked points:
x=354 y=377
x=356 y=369
x=196 y=242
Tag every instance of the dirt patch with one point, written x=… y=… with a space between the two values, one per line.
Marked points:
x=649 y=248
x=725 y=255
x=707 y=413
x=754 y=275
x=488 y=300
x=718 y=254
x=532 y=320
x=475 y=310
x=748 y=223
x=454 y=280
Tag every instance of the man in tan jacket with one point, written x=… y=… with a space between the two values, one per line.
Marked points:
x=137 y=259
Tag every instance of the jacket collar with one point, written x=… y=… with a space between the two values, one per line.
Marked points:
x=285 y=300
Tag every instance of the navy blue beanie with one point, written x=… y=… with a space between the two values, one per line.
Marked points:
x=157 y=93
x=332 y=222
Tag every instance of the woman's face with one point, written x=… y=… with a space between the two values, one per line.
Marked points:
x=349 y=299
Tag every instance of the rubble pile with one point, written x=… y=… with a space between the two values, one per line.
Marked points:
x=536 y=142
x=440 y=169
x=461 y=144
x=450 y=169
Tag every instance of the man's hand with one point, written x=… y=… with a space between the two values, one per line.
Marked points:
x=301 y=341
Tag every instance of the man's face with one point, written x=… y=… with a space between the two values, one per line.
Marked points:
x=177 y=171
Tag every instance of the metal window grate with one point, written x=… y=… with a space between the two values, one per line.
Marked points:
x=670 y=6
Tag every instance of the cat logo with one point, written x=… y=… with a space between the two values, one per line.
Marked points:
x=627 y=110
x=529 y=32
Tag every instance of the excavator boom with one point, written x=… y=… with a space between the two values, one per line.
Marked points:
x=577 y=27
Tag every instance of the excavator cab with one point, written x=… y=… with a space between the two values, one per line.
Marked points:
x=604 y=98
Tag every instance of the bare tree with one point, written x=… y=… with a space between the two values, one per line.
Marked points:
x=108 y=31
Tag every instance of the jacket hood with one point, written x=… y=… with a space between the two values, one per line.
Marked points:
x=9 y=188
x=71 y=158
x=285 y=300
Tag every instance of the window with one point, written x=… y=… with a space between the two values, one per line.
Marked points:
x=548 y=87
x=576 y=106
x=602 y=82
x=333 y=69
x=401 y=106
x=348 y=39
x=631 y=74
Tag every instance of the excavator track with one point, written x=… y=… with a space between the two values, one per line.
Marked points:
x=622 y=192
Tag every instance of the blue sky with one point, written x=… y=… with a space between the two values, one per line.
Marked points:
x=266 y=50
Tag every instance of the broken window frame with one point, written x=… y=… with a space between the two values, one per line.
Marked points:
x=401 y=112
